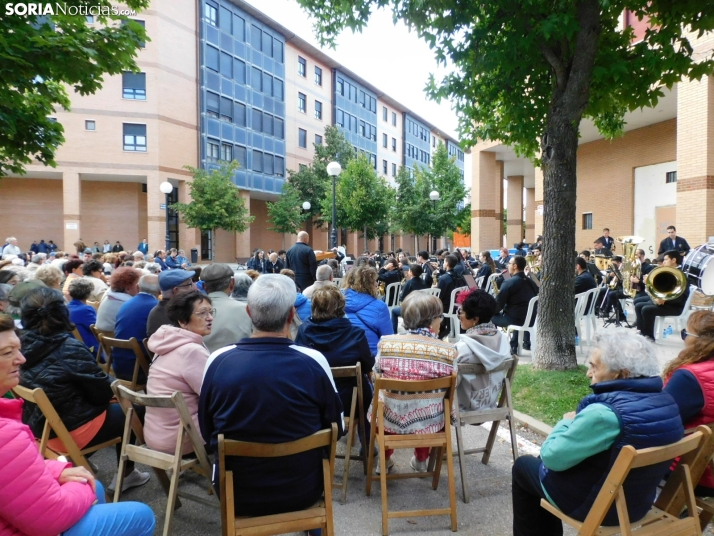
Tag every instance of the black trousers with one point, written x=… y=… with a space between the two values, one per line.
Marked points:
x=503 y=320
x=529 y=518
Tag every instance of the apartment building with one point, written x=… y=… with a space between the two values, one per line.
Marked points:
x=219 y=81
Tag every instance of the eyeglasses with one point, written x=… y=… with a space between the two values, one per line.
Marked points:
x=686 y=334
x=459 y=311
x=188 y=283
x=206 y=313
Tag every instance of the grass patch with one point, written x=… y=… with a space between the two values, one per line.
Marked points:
x=547 y=394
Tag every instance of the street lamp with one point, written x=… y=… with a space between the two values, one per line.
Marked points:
x=434 y=196
x=306 y=206
x=333 y=170
x=166 y=188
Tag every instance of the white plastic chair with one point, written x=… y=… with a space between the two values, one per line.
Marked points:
x=680 y=321
x=581 y=302
x=434 y=291
x=451 y=314
x=391 y=295
x=526 y=327
x=588 y=314
x=479 y=280
x=337 y=281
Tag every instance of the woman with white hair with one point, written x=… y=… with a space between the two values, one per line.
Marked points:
x=242 y=283
x=627 y=407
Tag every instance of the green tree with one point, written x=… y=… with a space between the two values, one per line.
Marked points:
x=216 y=203
x=42 y=55
x=363 y=198
x=444 y=176
x=463 y=223
x=526 y=73
x=286 y=214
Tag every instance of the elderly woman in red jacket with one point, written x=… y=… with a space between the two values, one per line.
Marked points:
x=47 y=497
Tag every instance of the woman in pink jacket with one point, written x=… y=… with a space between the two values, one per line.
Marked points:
x=178 y=366
x=47 y=497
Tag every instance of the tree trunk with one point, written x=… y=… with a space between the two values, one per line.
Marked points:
x=366 y=241
x=213 y=246
x=555 y=336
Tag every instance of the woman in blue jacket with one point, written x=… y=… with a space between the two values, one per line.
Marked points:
x=363 y=308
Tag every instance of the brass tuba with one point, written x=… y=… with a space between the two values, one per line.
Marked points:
x=631 y=265
x=666 y=283
x=533 y=263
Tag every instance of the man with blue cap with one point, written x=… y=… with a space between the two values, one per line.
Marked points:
x=170 y=282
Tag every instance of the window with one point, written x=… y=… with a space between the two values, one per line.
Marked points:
x=139 y=22
x=318 y=75
x=278 y=51
x=226 y=152
x=225 y=19
x=90 y=124
x=373 y=160
x=133 y=86
x=394 y=170
x=362 y=129
x=278 y=88
x=226 y=65
x=90 y=19
x=341 y=86
x=257 y=120
x=238 y=27
x=239 y=71
x=279 y=166
x=318 y=110
x=302 y=167
x=671 y=177
x=268 y=167
x=433 y=142
x=212 y=58
x=302 y=67
x=267 y=123
x=384 y=140
x=256 y=79
x=394 y=119
x=256 y=37
x=394 y=144
x=279 y=131
x=226 y=109
x=267 y=46
x=302 y=103
x=239 y=114
x=134 y=137
x=302 y=138
x=267 y=84
x=588 y=220
x=257 y=160
x=318 y=139
x=240 y=155
x=384 y=167
x=384 y=114
x=213 y=106
x=340 y=118
x=212 y=150
x=211 y=13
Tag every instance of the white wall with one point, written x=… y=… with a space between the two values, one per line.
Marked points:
x=652 y=191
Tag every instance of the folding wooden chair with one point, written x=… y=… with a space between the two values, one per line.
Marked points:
x=317 y=516
x=106 y=366
x=356 y=416
x=162 y=461
x=656 y=521
x=439 y=442
x=108 y=344
x=54 y=422
x=77 y=335
x=504 y=410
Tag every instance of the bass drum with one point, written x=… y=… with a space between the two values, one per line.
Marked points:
x=697 y=269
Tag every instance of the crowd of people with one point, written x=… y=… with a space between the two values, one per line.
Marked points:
x=252 y=351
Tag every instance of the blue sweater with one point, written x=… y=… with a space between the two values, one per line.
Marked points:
x=131 y=322
x=83 y=316
x=370 y=314
x=303 y=306
x=269 y=390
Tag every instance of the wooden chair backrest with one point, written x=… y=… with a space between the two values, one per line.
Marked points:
x=109 y=343
x=77 y=335
x=477 y=368
x=446 y=384
x=628 y=459
x=102 y=350
x=145 y=342
x=52 y=422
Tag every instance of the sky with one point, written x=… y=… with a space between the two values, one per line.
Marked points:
x=388 y=56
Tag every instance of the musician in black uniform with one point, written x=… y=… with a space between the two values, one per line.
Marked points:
x=614 y=297
x=647 y=311
x=613 y=285
x=606 y=240
x=600 y=248
x=448 y=281
x=673 y=242
x=390 y=272
x=423 y=260
x=512 y=301
x=592 y=267
x=584 y=281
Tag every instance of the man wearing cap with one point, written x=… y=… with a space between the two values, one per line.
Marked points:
x=170 y=282
x=302 y=261
x=231 y=322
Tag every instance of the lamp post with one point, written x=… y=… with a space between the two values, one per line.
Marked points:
x=306 y=206
x=434 y=196
x=166 y=188
x=333 y=170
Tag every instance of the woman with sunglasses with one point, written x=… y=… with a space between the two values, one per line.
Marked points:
x=689 y=378
x=178 y=365
x=482 y=343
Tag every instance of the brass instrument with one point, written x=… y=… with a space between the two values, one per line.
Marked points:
x=666 y=283
x=494 y=286
x=381 y=289
x=601 y=261
x=533 y=263
x=616 y=276
x=631 y=265
x=435 y=278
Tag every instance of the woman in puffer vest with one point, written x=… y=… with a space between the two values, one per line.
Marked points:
x=627 y=407
x=47 y=497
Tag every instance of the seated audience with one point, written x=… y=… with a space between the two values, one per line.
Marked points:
x=324 y=279
x=72 y=270
x=11 y=278
x=79 y=390
x=513 y=299
x=389 y=273
x=94 y=271
x=363 y=308
x=413 y=282
x=81 y=314
x=251 y=389
x=124 y=286
x=688 y=378
x=416 y=355
x=131 y=322
x=171 y=282
x=342 y=344
x=242 y=283
x=448 y=282
x=231 y=322
x=50 y=496
x=627 y=407
x=481 y=343
x=180 y=357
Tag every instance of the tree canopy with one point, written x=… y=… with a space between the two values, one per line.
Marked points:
x=43 y=56
x=215 y=202
x=286 y=214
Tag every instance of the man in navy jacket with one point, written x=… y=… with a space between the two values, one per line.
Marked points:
x=267 y=389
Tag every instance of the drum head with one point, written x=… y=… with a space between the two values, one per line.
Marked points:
x=697 y=267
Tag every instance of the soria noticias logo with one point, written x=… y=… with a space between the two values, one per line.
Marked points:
x=31 y=8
